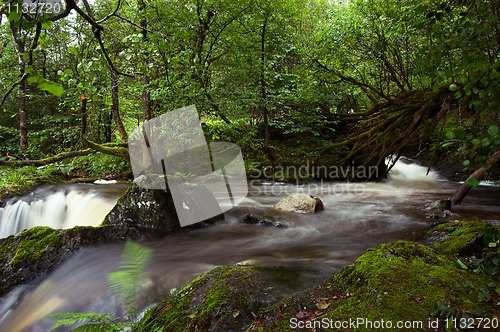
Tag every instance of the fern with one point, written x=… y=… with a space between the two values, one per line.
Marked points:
x=71 y=318
x=125 y=284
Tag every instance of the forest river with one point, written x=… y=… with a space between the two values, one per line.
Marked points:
x=357 y=216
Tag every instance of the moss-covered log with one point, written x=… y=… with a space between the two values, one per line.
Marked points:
x=118 y=151
x=108 y=148
x=47 y=161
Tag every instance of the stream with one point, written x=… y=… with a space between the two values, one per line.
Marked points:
x=357 y=216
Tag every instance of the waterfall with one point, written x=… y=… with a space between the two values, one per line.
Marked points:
x=79 y=205
x=406 y=169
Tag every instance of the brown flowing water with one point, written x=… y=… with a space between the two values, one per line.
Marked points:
x=357 y=216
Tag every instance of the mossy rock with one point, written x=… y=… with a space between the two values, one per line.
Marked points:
x=39 y=250
x=400 y=281
x=460 y=237
x=227 y=298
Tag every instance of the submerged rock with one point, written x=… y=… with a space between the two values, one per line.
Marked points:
x=39 y=250
x=254 y=220
x=300 y=203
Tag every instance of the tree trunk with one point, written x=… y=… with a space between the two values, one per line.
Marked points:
x=83 y=115
x=476 y=176
x=115 y=108
x=20 y=46
x=146 y=95
x=263 y=92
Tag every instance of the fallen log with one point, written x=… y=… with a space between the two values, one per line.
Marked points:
x=475 y=178
x=47 y=161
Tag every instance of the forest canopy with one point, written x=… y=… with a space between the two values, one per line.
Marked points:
x=290 y=81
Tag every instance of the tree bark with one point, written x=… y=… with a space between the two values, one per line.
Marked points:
x=83 y=115
x=20 y=46
x=263 y=92
x=476 y=176
x=115 y=108
x=146 y=95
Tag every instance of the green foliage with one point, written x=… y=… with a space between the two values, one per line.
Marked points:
x=95 y=165
x=125 y=284
x=298 y=64
x=16 y=181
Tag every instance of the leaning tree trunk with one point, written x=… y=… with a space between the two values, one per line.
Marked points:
x=476 y=176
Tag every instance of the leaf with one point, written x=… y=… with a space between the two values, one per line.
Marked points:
x=51 y=87
x=472 y=182
x=322 y=305
x=493 y=130
x=46 y=24
x=461 y=264
x=13 y=16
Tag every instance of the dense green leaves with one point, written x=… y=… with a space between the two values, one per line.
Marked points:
x=283 y=69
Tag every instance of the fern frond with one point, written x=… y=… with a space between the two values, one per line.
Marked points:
x=126 y=282
x=72 y=318
x=102 y=327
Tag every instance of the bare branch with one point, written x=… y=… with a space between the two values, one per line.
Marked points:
x=114 y=13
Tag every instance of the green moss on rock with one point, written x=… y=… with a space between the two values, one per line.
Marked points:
x=398 y=281
x=39 y=250
x=34 y=243
x=459 y=237
x=224 y=299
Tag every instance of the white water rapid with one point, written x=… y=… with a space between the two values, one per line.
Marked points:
x=57 y=207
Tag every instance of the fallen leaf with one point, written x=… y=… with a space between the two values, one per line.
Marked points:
x=322 y=305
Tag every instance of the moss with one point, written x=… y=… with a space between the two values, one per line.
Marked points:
x=401 y=281
x=454 y=238
x=34 y=243
x=226 y=298
x=21 y=181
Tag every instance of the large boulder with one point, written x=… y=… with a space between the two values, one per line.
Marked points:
x=145 y=209
x=300 y=203
x=153 y=210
